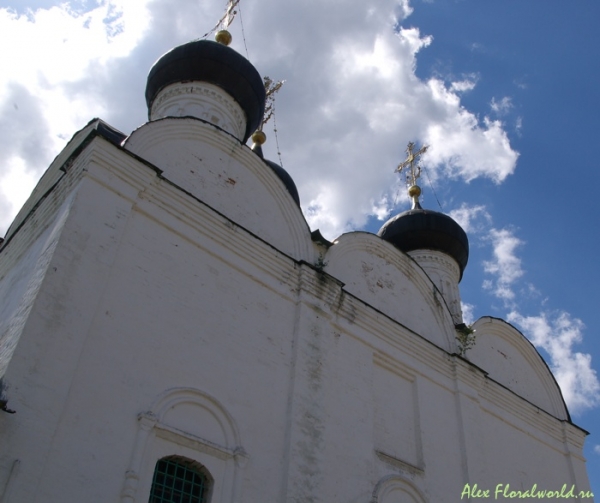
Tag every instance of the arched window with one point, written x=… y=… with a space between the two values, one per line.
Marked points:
x=180 y=480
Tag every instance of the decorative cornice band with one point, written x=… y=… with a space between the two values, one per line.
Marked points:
x=203 y=101
x=441 y=259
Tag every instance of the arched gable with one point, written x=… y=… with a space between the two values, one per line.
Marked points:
x=510 y=359
x=390 y=281
x=217 y=169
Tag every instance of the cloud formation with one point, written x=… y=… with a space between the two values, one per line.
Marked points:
x=473 y=219
x=505 y=266
x=501 y=107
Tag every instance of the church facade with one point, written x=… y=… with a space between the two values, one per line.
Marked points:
x=172 y=330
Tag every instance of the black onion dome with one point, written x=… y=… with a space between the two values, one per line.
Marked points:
x=207 y=61
x=420 y=229
x=287 y=180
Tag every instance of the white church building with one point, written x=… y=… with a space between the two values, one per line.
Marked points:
x=172 y=331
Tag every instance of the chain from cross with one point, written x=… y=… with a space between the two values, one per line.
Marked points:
x=411 y=163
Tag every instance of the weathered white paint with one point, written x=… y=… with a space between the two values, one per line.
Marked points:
x=21 y=283
x=174 y=312
x=511 y=359
x=221 y=172
x=390 y=281
x=445 y=274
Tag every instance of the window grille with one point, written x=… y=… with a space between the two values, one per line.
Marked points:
x=178 y=480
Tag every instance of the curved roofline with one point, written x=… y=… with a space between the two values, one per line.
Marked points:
x=153 y=134
x=349 y=242
x=537 y=354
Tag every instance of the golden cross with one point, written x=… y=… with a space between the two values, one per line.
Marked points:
x=411 y=163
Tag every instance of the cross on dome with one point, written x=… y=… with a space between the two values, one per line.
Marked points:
x=414 y=171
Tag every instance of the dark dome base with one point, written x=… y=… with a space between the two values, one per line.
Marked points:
x=420 y=229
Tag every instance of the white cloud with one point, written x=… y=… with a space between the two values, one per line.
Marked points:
x=597 y=449
x=473 y=219
x=463 y=147
x=557 y=334
x=501 y=107
x=520 y=83
x=505 y=266
x=467 y=84
x=519 y=126
x=467 y=311
x=403 y=10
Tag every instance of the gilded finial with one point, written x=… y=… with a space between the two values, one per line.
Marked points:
x=223 y=37
x=413 y=172
x=258 y=137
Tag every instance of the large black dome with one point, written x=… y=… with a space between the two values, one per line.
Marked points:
x=207 y=61
x=420 y=229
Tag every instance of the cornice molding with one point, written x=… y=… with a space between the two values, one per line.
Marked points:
x=202 y=100
x=442 y=260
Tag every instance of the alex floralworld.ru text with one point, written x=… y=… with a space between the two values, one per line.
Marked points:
x=503 y=491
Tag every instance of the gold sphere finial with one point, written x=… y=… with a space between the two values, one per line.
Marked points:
x=259 y=137
x=414 y=191
x=223 y=37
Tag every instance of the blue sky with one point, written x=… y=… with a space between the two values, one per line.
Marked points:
x=505 y=92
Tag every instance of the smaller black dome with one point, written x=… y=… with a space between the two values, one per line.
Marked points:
x=207 y=61
x=420 y=229
x=287 y=180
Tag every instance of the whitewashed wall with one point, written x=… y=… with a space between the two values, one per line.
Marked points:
x=178 y=315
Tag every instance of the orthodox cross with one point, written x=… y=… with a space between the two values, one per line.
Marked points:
x=414 y=170
x=271 y=88
x=230 y=13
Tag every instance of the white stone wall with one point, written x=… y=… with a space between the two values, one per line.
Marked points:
x=163 y=326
